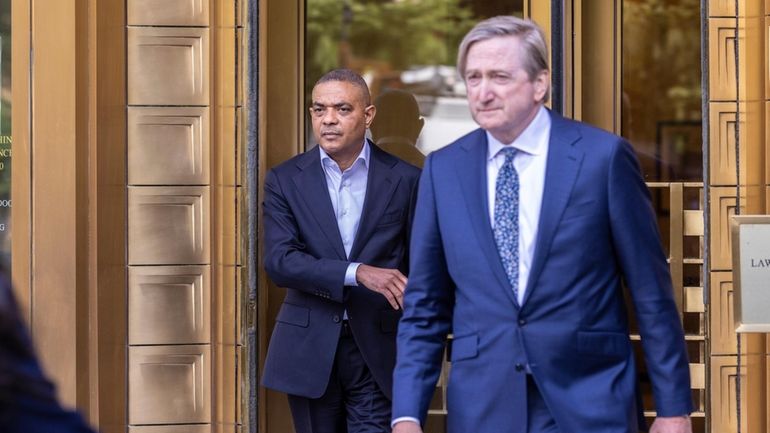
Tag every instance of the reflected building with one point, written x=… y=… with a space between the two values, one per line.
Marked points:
x=141 y=132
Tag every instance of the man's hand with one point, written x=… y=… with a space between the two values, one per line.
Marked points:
x=407 y=427
x=390 y=283
x=671 y=424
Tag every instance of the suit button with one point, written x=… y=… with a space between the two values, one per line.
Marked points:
x=519 y=367
x=336 y=318
x=522 y=322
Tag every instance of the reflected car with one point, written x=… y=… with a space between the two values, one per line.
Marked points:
x=449 y=119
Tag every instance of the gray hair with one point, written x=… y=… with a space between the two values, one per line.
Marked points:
x=347 y=76
x=530 y=35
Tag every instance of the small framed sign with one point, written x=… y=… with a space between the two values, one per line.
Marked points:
x=751 y=272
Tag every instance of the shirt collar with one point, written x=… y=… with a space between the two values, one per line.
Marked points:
x=530 y=141
x=362 y=156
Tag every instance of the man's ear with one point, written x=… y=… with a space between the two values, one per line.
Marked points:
x=369 y=113
x=541 y=85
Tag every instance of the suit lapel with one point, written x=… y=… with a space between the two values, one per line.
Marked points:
x=380 y=185
x=311 y=184
x=561 y=172
x=473 y=178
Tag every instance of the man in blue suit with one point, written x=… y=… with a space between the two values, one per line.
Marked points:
x=337 y=225
x=523 y=232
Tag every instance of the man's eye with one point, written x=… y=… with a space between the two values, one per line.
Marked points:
x=501 y=78
x=472 y=79
x=345 y=109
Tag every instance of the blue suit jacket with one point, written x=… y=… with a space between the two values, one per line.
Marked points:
x=596 y=227
x=305 y=254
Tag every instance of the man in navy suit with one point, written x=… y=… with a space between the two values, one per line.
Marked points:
x=337 y=225
x=523 y=232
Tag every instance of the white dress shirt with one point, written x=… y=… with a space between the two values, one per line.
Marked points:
x=347 y=191
x=530 y=162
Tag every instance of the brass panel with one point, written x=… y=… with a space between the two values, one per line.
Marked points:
x=241 y=128
x=599 y=64
x=766 y=69
x=723 y=8
x=228 y=306
x=242 y=308
x=168 y=146
x=722 y=323
x=693 y=223
x=107 y=258
x=226 y=378
x=169 y=304
x=229 y=237
x=752 y=154
x=194 y=428
x=676 y=243
x=724 y=374
x=21 y=182
x=693 y=300
x=722 y=143
x=168 y=66
x=225 y=15
x=58 y=209
x=722 y=84
x=698 y=376
x=169 y=384
x=540 y=12
x=226 y=67
x=226 y=161
x=766 y=210
x=723 y=203
x=168 y=12
x=168 y=225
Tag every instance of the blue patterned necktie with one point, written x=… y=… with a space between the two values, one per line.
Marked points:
x=507 y=218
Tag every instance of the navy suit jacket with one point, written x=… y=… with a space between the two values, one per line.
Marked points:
x=304 y=253
x=596 y=227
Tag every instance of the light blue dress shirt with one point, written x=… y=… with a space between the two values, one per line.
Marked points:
x=347 y=190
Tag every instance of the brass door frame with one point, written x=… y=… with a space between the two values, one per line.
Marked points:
x=281 y=126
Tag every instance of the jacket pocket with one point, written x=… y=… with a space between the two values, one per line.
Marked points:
x=464 y=347
x=294 y=315
x=613 y=344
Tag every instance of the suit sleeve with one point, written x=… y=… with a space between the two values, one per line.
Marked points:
x=428 y=302
x=643 y=262
x=286 y=260
x=410 y=220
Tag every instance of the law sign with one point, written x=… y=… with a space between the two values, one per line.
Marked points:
x=751 y=272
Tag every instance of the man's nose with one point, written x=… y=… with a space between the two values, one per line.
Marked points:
x=485 y=90
x=329 y=118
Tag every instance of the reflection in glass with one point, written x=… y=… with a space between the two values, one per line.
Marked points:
x=661 y=117
x=5 y=133
x=661 y=100
x=409 y=46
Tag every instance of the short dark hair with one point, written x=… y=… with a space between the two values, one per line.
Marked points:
x=347 y=76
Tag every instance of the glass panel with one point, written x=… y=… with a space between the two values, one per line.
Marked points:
x=661 y=117
x=406 y=51
x=661 y=99
x=5 y=134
